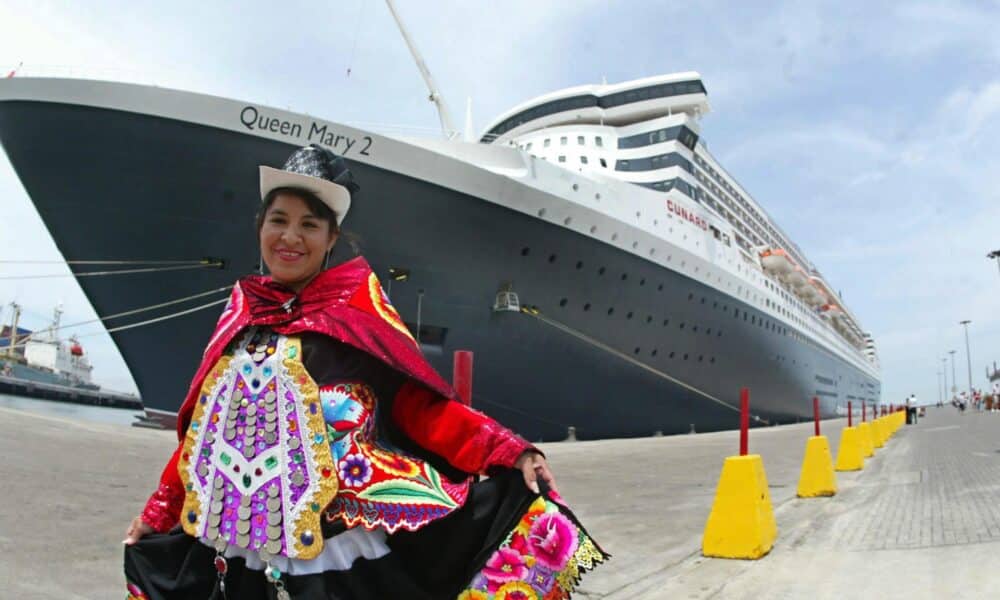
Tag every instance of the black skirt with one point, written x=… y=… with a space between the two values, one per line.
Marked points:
x=504 y=542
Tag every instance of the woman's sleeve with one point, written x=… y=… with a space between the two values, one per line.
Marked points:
x=466 y=438
x=163 y=509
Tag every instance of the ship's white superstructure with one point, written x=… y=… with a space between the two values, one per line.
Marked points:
x=647 y=132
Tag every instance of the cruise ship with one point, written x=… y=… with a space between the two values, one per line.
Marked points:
x=610 y=276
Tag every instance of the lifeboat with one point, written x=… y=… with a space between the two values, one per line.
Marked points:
x=777 y=261
x=76 y=350
x=798 y=278
x=812 y=295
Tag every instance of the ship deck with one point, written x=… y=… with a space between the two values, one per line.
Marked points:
x=905 y=526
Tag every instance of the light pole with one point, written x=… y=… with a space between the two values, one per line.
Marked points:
x=944 y=371
x=954 y=382
x=968 y=359
x=940 y=397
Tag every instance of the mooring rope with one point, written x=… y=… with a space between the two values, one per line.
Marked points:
x=119 y=272
x=532 y=312
x=136 y=311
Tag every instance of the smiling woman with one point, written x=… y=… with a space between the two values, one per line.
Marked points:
x=297 y=231
x=320 y=456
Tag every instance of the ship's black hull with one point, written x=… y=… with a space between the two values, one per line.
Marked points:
x=122 y=186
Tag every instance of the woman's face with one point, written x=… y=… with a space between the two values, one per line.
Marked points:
x=294 y=241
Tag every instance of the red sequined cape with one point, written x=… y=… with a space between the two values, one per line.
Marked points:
x=348 y=304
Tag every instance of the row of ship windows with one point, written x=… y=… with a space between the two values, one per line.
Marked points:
x=680 y=133
x=589 y=100
x=793 y=334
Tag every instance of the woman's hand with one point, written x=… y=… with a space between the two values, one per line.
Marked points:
x=532 y=466
x=136 y=530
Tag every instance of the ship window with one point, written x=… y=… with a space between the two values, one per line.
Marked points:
x=599 y=142
x=601 y=271
x=528 y=147
x=579 y=264
x=547 y=143
x=637 y=349
x=525 y=251
x=671 y=355
x=666 y=322
x=563 y=302
x=611 y=311
x=586 y=306
x=563 y=140
x=562 y=159
x=579 y=140
x=583 y=160
x=552 y=258
x=649 y=319
x=629 y=315
x=681 y=326
x=604 y=163
x=653 y=353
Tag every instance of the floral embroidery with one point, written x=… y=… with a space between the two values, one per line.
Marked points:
x=516 y=590
x=553 y=540
x=355 y=470
x=134 y=593
x=381 y=487
x=504 y=566
x=542 y=558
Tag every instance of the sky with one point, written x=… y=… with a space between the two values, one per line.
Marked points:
x=869 y=131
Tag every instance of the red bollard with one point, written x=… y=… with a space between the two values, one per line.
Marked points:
x=744 y=421
x=816 y=415
x=462 y=375
x=864 y=412
x=850 y=415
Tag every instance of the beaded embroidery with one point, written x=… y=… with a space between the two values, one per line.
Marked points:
x=543 y=558
x=256 y=464
x=134 y=593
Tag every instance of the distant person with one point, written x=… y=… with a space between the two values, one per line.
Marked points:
x=321 y=457
x=911 y=409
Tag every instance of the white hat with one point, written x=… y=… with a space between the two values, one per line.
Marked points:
x=316 y=170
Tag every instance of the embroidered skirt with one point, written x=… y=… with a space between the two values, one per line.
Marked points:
x=504 y=543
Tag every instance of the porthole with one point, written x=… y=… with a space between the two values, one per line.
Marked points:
x=541 y=212
x=637 y=349
x=708 y=331
x=649 y=319
x=666 y=322
x=597 y=196
x=685 y=356
x=694 y=328
x=593 y=229
x=702 y=298
x=635 y=245
x=642 y=281
x=586 y=306
x=701 y=357
x=652 y=251
x=525 y=251
x=563 y=302
x=611 y=311
x=552 y=258
x=653 y=353
x=712 y=360
x=629 y=315
x=614 y=236
x=624 y=276
x=718 y=333
x=567 y=220
x=659 y=288
x=638 y=214
x=672 y=354
x=579 y=264
x=681 y=326
x=690 y=297
x=575 y=187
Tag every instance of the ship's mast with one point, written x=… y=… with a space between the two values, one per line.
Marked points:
x=447 y=125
